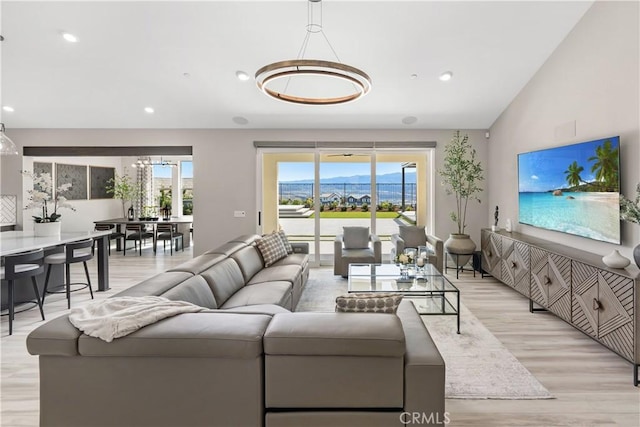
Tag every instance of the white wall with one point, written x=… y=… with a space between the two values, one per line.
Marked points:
x=590 y=84
x=225 y=169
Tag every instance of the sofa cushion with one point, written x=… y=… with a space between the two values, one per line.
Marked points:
x=199 y=263
x=249 y=260
x=271 y=248
x=371 y=302
x=188 y=335
x=224 y=279
x=278 y=293
x=156 y=285
x=293 y=259
x=195 y=290
x=356 y=237
x=285 y=241
x=413 y=235
x=247 y=239
x=288 y=273
x=334 y=334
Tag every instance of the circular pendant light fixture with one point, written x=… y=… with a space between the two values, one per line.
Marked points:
x=317 y=82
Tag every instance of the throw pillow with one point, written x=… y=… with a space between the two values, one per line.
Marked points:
x=356 y=237
x=368 y=303
x=413 y=236
x=271 y=248
x=285 y=241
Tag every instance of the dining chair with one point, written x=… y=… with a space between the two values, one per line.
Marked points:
x=168 y=232
x=139 y=234
x=115 y=234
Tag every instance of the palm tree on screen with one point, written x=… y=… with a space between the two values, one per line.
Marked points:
x=573 y=174
x=606 y=166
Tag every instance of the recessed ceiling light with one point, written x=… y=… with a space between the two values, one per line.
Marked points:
x=186 y=75
x=242 y=75
x=239 y=120
x=409 y=120
x=69 y=37
x=149 y=110
x=8 y=109
x=413 y=76
x=446 y=76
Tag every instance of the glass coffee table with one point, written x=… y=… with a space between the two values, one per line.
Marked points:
x=430 y=291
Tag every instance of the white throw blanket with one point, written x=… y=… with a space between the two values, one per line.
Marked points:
x=120 y=316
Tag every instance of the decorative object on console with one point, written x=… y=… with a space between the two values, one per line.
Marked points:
x=630 y=212
x=615 y=260
x=461 y=176
x=345 y=83
x=507 y=225
x=494 y=227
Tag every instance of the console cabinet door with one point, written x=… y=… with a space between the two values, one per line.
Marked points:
x=491 y=252
x=602 y=302
x=551 y=282
x=515 y=265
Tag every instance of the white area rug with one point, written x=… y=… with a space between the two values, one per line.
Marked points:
x=478 y=365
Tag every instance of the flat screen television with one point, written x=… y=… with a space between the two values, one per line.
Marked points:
x=573 y=189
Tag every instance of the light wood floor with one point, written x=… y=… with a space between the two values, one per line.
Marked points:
x=592 y=385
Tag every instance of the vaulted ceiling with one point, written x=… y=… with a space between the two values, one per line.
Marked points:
x=181 y=59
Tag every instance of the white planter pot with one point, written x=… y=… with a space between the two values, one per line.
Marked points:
x=46 y=228
x=460 y=244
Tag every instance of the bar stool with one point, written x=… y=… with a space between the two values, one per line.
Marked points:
x=73 y=252
x=20 y=266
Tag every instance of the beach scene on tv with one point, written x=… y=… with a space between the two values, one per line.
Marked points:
x=574 y=189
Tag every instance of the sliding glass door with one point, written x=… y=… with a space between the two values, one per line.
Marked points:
x=313 y=194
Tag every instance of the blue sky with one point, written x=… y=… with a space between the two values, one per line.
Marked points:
x=165 y=172
x=543 y=170
x=289 y=171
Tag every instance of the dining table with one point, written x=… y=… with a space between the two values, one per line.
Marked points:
x=183 y=223
x=14 y=242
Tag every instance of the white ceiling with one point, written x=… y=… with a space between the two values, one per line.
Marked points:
x=135 y=54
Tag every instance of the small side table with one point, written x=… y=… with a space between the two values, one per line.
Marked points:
x=459 y=268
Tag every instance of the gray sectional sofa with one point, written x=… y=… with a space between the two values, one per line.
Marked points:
x=247 y=360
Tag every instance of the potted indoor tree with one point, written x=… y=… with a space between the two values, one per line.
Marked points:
x=461 y=175
x=122 y=187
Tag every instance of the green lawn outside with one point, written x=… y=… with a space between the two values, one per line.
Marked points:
x=348 y=214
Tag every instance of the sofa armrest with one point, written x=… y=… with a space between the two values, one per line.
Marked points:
x=300 y=247
x=438 y=247
x=424 y=370
x=398 y=245
x=337 y=254
x=377 y=248
x=57 y=337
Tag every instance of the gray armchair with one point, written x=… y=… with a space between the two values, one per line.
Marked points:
x=412 y=236
x=355 y=245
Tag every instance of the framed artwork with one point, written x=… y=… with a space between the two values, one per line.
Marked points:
x=40 y=168
x=99 y=178
x=76 y=175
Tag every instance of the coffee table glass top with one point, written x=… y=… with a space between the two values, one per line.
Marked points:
x=393 y=278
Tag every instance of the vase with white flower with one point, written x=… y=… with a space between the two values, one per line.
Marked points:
x=48 y=202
